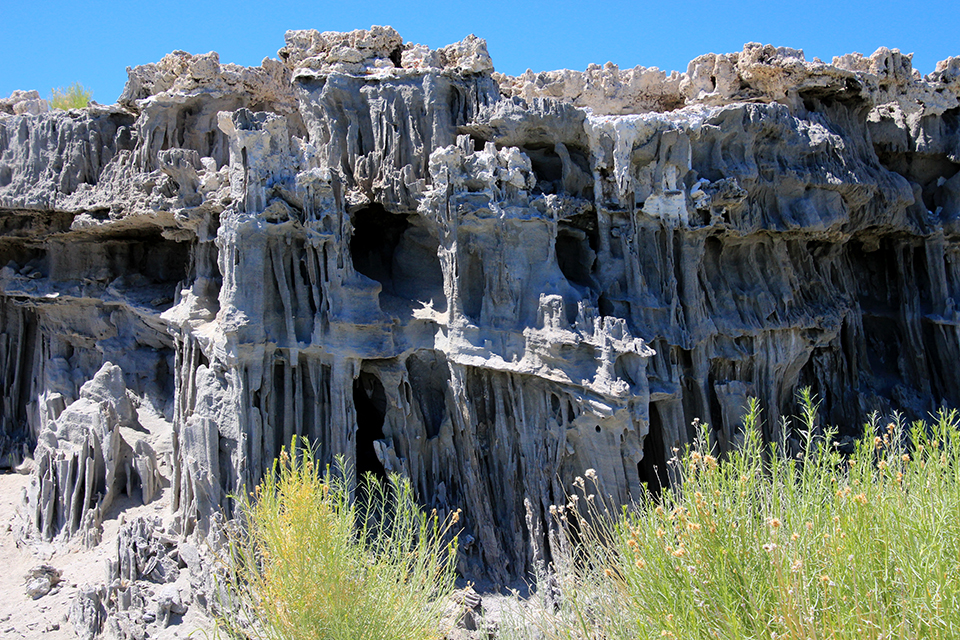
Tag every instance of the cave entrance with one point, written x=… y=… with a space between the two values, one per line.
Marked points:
x=429 y=378
x=547 y=167
x=576 y=247
x=560 y=168
x=652 y=469
x=376 y=234
x=370 y=403
x=575 y=256
x=400 y=252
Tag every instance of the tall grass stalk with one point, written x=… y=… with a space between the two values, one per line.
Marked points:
x=314 y=563
x=765 y=545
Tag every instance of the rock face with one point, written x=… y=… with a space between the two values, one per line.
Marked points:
x=489 y=284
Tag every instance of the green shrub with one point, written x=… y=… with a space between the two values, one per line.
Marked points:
x=313 y=563
x=76 y=96
x=763 y=545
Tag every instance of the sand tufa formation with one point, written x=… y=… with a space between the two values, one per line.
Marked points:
x=486 y=283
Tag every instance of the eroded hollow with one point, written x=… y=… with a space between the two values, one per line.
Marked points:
x=931 y=172
x=652 y=468
x=370 y=403
x=575 y=255
x=147 y=256
x=18 y=347
x=560 y=169
x=429 y=378
x=400 y=252
x=376 y=234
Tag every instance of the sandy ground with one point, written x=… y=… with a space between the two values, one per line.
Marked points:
x=46 y=617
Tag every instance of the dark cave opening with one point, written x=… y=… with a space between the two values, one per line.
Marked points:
x=930 y=171
x=429 y=378
x=400 y=252
x=376 y=234
x=472 y=283
x=605 y=306
x=370 y=403
x=548 y=167
x=575 y=256
x=396 y=57
x=142 y=258
x=18 y=347
x=652 y=468
x=576 y=246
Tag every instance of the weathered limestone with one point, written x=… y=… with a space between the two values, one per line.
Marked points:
x=488 y=284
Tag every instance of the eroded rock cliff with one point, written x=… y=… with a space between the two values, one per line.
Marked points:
x=486 y=283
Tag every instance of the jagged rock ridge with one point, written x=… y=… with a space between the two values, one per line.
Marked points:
x=489 y=284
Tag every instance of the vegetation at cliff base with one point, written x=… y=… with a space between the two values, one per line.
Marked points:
x=794 y=539
x=76 y=96
x=760 y=543
x=315 y=563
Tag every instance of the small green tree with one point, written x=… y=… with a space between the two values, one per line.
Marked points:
x=76 y=96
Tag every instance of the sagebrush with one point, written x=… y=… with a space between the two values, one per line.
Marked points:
x=761 y=544
x=313 y=562
x=76 y=96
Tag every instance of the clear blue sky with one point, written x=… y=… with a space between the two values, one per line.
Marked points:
x=45 y=44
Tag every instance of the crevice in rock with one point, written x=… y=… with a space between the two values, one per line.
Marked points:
x=396 y=57
x=652 y=468
x=18 y=348
x=145 y=255
x=370 y=404
x=559 y=169
x=547 y=167
x=472 y=282
x=429 y=378
x=577 y=244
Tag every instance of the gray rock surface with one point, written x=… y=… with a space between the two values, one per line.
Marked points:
x=488 y=284
x=41 y=580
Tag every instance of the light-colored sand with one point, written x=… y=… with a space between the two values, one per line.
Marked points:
x=46 y=617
